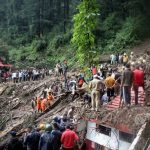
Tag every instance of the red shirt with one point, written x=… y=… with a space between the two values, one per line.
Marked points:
x=94 y=71
x=68 y=138
x=138 y=77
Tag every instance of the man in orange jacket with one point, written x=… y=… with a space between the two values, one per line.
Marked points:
x=39 y=104
x=50 y=97
x=43 y=104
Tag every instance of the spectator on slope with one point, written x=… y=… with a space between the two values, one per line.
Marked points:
x=126 y=83
x=31 y=139
x=14 y=143
x=94 y=70
x=65 y=70
x=104 y=70
x=20 y=76
x=113 y=59
x=68 y=139
x=96 y=86
x=109 y=83
x=125 y=59
x=14 y=77
x=131 y=56
x=120 y=59
x=117 y=58
x=45 y=142
x=138 y=81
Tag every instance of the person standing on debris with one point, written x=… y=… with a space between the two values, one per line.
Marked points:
x=71 y=112
x=31 y=140
x=138 y=81
x=43 y=104
x=94 y=70
x=110 y=83
x=14 y=143
x=39 y=109
x=68 y=139
x=81 y=80
x=45 y=142
x=125 y=59
x=96 y=86
x=65 y=70
x=50 y=97
x=126 y=83
x=113 y=59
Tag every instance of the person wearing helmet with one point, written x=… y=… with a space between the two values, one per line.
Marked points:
x=45 y=142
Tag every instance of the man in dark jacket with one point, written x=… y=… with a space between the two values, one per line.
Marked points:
x=46 y=139
x=32 y=139
x=56 y=137
x=14 y=143
x=126 y=83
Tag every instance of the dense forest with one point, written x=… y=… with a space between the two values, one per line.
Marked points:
x=41 y=32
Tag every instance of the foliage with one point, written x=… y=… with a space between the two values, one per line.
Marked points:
x=84 y=24
x=38 y=33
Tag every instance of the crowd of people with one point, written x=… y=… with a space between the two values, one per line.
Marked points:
x=110 y=80
x=18 y=76
x=60 y=134
x=106 y=82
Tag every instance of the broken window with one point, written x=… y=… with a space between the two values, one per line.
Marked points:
x=104 y=130
x=123 y=136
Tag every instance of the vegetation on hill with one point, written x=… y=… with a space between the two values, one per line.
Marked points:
x=37 y=33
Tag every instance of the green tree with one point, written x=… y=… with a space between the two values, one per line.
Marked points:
x=85 y=22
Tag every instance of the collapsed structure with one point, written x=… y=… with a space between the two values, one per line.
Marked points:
x=110 y=128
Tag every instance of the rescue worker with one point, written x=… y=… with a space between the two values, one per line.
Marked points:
x=39 y=109
x=43 y=104
x=50 y=97
x=96 y=86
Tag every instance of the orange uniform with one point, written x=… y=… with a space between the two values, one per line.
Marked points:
x=38 y=104
x=43 y=105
